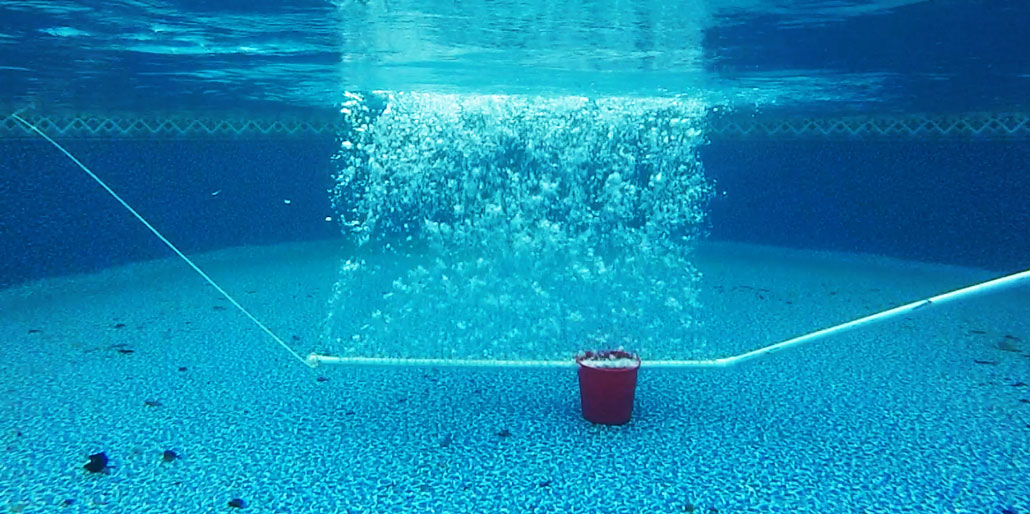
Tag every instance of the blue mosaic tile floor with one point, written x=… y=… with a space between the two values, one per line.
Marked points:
x=928 y=414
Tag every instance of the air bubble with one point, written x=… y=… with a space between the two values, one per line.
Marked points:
x=492 y=222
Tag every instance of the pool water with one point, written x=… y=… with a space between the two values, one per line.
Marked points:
x=450 y=200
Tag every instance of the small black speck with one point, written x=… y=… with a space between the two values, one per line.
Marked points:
x=124 y=351
x=251 y=291
x=151 y=403
x=504 y=433
x=183 y=368
x=1019 y=384
x=977 y=332
x=1011 y=337
x=989 y=363
x=1024 y=400
x=349 y=413
x=322 y=379
x=295 y=337
x=68 y=502
x=119 y=325
x=237 y=503
x=35 y=331
x=97 y=463
x=169 y=456
x=788 y=302
x=545 y=483
x=218 y=308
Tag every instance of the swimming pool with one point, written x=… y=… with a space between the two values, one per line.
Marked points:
x=452 y=199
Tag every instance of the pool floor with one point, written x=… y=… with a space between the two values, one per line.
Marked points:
x=925 y=414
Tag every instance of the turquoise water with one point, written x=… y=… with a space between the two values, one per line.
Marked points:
x=262 y=57
x=505 y=184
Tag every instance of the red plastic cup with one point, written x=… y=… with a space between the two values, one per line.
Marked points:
x=606 y=394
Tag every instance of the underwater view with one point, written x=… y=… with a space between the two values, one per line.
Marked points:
x=514 y=256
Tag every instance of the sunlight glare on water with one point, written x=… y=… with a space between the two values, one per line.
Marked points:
x=519 y=46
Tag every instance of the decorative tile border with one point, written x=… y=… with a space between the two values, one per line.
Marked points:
x=960 y=126
x=167 y=127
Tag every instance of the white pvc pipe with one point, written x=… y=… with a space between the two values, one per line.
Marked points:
x=933 y=301
x=139 y=217
x=316 y=359
x=958 y=294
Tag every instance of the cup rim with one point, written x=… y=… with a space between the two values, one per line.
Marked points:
x=587 y=355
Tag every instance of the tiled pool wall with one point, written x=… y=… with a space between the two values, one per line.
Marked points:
x=202 y=193
x=946 y=189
